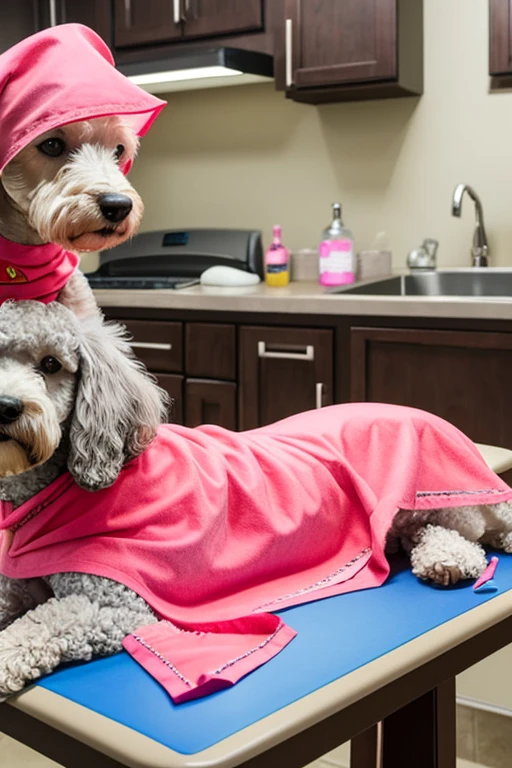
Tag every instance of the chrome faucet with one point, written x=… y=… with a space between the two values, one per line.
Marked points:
x=480 y=247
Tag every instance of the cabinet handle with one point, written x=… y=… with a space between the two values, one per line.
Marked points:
x=177 y=11
x=308 y=354
x=150 y=345
x=288 y=40
x=53 y=13
x=319 y=394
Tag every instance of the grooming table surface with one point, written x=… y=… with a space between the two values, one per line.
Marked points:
x=336 y=637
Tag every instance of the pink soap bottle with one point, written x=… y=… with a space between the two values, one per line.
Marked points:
x=277 y=261
x=337 y=262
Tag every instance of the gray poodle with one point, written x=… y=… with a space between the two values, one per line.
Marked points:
x=88 y=407
x=72 y=397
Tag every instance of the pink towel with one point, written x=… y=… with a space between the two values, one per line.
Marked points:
x=211 y=526
x=62 y=75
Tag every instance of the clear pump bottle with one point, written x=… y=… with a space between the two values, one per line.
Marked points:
x=337 y=257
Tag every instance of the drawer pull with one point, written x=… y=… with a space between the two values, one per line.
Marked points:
x=150 y=345
x=319 y=394
x=308 y=354
x=177 y=11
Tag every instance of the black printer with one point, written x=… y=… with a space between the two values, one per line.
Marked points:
x=176 y=258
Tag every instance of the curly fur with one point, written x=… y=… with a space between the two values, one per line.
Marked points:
x=117 y=409
x=109 y=412
x=112 y=416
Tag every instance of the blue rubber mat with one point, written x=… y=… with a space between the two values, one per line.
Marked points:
x=335 y=636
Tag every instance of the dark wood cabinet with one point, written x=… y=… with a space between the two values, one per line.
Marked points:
x=95 y=14
x=243 y=376
x=158 y=344
x=460 y=376
x=173 y=385
x=500 y=37
x=238 y=377
x=283 y=371
x=143 y=22
x=16 y=22
x=334 y=50
x=139 y=22
x=210 y=402
x=210 y=350
x=196 y=365
x=205 y=18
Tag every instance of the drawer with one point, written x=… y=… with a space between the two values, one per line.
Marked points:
x=210 y=350
x=159 y=345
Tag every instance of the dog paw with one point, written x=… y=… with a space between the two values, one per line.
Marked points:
x=506 y=542
x=443 y=574
x=444 y=557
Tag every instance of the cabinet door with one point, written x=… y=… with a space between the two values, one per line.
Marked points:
x=216 y=17
x=500 y=37
x=210 y=402
x=138 y=22
x=461 y=376
x=17 y=21
x=283 y=371
x=210 y=350
x=340 y=41
x=173 y=385
x=93 y=13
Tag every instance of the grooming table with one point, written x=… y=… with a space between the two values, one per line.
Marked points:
x=357 y=659
x=389 y=654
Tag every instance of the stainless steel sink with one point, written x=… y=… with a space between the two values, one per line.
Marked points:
x=484 y=282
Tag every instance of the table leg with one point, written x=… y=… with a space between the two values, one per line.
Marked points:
x=423 y=733
x=365 y=748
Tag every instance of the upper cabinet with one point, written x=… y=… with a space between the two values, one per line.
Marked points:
x=17 y=22
x=324 y=50
x=139 y=22
x=500 y=38
x=336 y=50
x=93 y=13
x=144 y=22
x=203 y=18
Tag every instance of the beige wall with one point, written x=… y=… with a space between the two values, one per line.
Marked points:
x=247 y=157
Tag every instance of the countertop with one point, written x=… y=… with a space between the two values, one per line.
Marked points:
x=307 y=297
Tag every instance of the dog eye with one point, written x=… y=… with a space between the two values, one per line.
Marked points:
x=52 y=147
x=50 y=364
x=119 y=151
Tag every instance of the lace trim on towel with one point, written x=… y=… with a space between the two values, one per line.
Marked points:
x=247 y=653
x=322 y=583
x=163 y=660
x=458 y=493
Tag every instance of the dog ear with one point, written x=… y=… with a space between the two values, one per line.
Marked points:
x=118 y=407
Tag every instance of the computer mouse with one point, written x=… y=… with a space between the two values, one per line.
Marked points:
x=228 y=276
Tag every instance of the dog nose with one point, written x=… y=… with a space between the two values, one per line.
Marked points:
x=115 y=207
x=11 y=409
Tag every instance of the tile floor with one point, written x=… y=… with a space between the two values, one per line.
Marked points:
x=484 y=737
